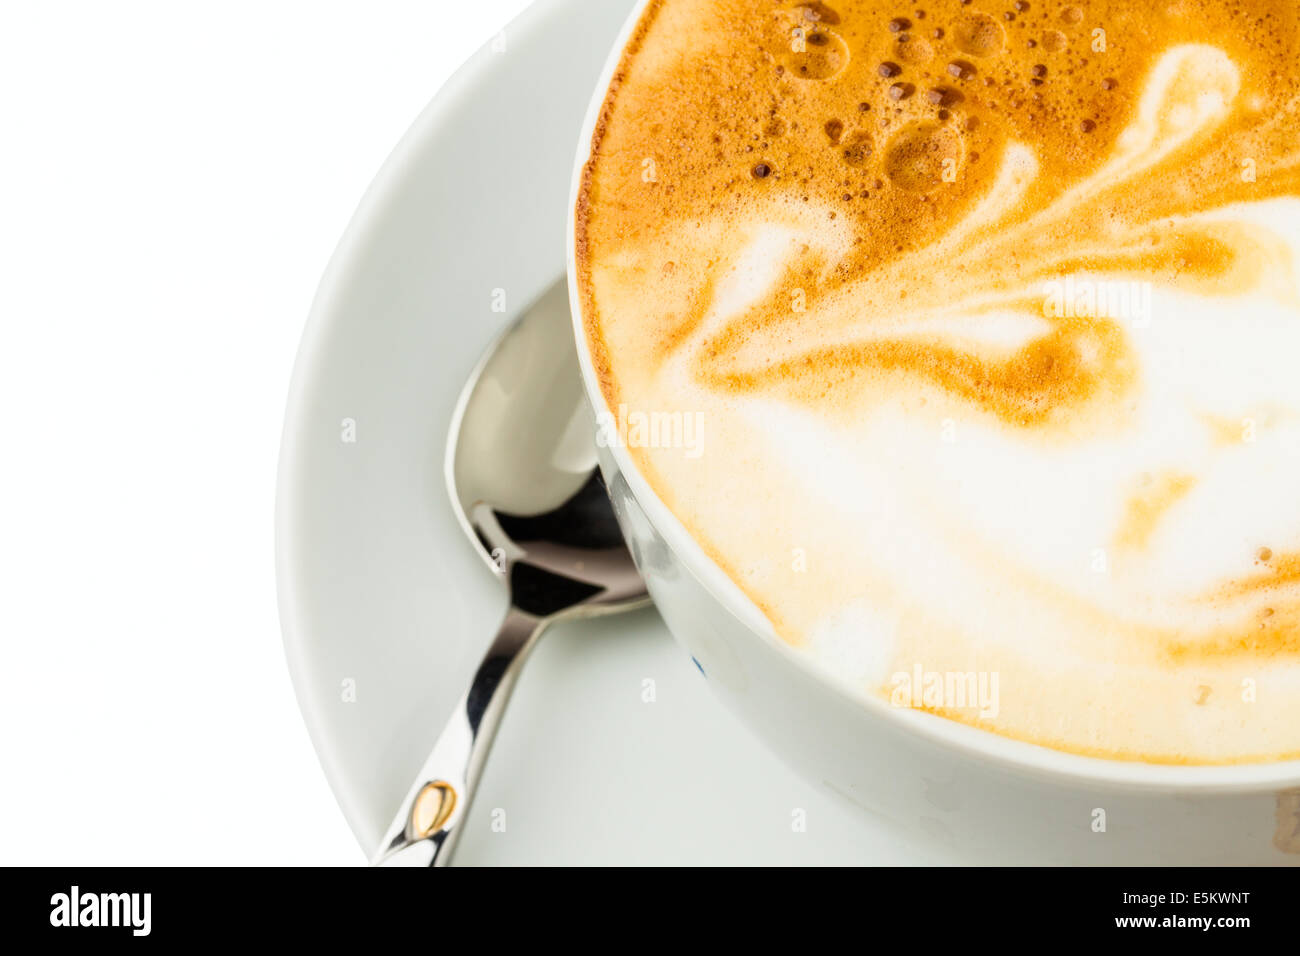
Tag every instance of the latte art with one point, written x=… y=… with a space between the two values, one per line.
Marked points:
x=992 y=312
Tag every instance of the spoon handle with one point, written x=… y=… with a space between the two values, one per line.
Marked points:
x=426 y=828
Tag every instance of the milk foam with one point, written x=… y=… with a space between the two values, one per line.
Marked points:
x=926 y=460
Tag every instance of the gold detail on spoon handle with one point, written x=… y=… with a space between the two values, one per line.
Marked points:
x=432 y=808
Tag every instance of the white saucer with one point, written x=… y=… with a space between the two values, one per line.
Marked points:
x=383 y=600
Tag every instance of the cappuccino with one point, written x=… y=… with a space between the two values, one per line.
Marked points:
x=992 y=312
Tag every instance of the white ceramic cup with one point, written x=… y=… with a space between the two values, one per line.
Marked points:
x=987 y=797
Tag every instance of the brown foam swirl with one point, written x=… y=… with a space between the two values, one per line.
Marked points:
x=1032 y=197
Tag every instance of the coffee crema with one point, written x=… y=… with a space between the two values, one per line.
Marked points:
x=990 y=313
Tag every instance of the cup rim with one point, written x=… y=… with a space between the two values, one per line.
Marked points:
x=1017 y=756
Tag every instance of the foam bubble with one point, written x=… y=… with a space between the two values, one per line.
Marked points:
x=923 y=156
x=978 y=34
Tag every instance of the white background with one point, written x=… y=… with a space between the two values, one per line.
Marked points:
x=175 y=177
